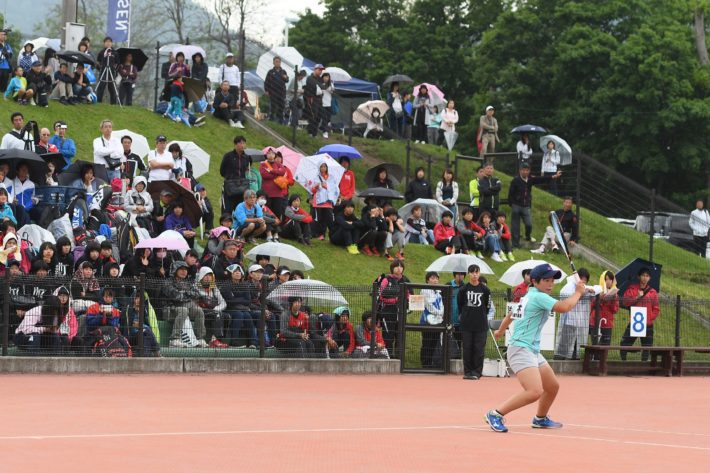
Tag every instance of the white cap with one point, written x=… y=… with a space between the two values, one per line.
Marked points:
x=229 y=55
x=490 y=107
x=255 y=267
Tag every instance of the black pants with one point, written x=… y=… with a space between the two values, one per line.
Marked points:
x=700 y=245
x=456 y=241
x=277 y=205
x=473 y=243
x=125 y=93
x=103 y=85
x=296 y=230
x=313 y=111
x=4 y=78
x=373 y=239
x=552 y=184
x=474 y=347
x=628 y=340
x=325 y=115
x=297 y=348
x=227 y=114
x=345 y=236
x=430 y=340
x=278 y=103
x=387 y=315
x=322 y=220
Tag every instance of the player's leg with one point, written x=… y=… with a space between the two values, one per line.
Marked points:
x=550 y=388
x=531 y=381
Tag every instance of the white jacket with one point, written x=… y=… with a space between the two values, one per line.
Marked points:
x=135 y=198
x=108 y=147
x=700 y=222
x=440 y=193
x=550 y=161
x=449 y=119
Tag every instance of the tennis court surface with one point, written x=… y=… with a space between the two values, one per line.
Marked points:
x=321 y=423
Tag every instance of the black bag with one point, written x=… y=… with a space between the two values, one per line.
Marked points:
x=112 y=163
x=235 y=187
x=109 y=343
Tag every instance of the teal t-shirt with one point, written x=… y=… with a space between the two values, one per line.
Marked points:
x=537 y=308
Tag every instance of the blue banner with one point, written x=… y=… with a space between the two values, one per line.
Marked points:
x=118 y=24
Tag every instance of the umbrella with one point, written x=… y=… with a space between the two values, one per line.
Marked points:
x=290 y=59
x=291 y=157
x=43 y=42
x=431 y=210
x=338 y=74
x=255 y=155
x=192 y=207
x=189 y=50
x=311 y=289
x=55 y=158
x=73 y=172
x=528 y=129
x=254 y=83
x=399 y=78
x=194 y=89
x=197 y=156
x=36 y=165
x=629 y=274
x=458 y=263
x=380 y=193
x=309 y=169
x=514 y=275
x=76 y=57
x=168 y=48
x=436 y=96
x=368 y=109
x=337 y=151
x=394 y=172
x=139 y=145
x=560 y=145
x=139 y=57
x=450 y=137
x=169 y=242
x=282 y=254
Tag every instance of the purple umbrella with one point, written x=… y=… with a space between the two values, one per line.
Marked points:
x=337 y=151
x=167 y=242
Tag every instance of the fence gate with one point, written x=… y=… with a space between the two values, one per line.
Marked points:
x=424 y=347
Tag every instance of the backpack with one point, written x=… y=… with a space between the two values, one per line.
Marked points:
x=109 y=343
x=126 y=239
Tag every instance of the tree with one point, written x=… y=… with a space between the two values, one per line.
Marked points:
x=178 y=11
x=228 y=18
x=699 y=28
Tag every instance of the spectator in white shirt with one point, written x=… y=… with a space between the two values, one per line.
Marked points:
x=700 y=224
x=160 y=161
x=108 y=151
x=524 y=149
x=550 y=161
x=230 y=72
x=15 y=139
x=6 y=182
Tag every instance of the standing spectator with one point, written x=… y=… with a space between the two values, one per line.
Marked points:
x=65 y=145
x=226 y=106
x=273 y=182
x=474 y=302
x=106 y=60
x=199 y=68
x=296 y=103
x=326 y=109
x=641 y=295
x=419 y=188
x=550 y=161
x=5 y=60
x=408 y=118
x=520 y=200
x=249 y=218
x=447 y=192
x=324 y=195
x=297 y=222
x=108 y=150
x=388 y=310
x=17 y=87
x=129 y=75
x=700 y=224
x=160 y=161
x=432 y=315
x=230 y=72
x=134 y=165
x=445 y=237
x=347 y=182
x=524 y=149
x=179 y=68
x=313 y=99
x=395 y=115
x=347 y=228
x=181 y=165
x=233 y=169
x=488 y=127
x=474 y=192
x=27 y=57
x=569 y=225
x=472 y=234
x=522 y=289
x=601 y=318
x=573 y=325
x=449 y=117
x=432 y=126
x=489 y=188
x=506 y=246
x=275 y=88
x=421 y=108
x=456 y=284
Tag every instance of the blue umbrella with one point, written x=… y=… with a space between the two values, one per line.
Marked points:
x=629 y=275
x=529 y=129
x=338 y=151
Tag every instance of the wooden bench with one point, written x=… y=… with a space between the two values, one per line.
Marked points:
x=671 y=357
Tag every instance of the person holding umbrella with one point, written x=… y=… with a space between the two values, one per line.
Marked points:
x=347 y=182
x=27 y=57
x=129 y=75
x=524 y=149
x=396 y=112
x=550 y=161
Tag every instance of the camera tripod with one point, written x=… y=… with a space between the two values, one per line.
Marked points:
x=108 y=77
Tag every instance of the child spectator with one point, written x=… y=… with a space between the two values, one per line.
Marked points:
x=17 y=87
x=491 y=239
x=103 y=313
x=522 y=289
x=504 y=235
x=433 y=126
x=417 y=231
x=272 y=220
x=471 y=233
x=297 y=222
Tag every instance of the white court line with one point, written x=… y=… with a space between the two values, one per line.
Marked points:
x=604 y=427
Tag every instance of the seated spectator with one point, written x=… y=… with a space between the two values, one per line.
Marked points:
x=192 y=260
x=396 y=234
x=491 y=239
x=161 y=262
x=6 y=212
x=249 y=218
x=373 y=128
x=104 y=313
x=472 y=234
x=363 y=337
x=505 y=237
x=417 y=231
x=522 y=289
x=84 y=288
x=23 y=188
x=37 y=333
x=182 y=302
x=42 y=286
x=64 y=85
x=17 y=88
x=226 y=106
x=568 y=223
x=447 y=192
x=151 y=347
x=92 y=255
x=43 y=146
x=138 y=264
x=38 y=84
x=64 y=259
x=601 y=318
x=161 y=209
x=68 y=324
x=445 y=238
x=347 y=182
x=139 y=204
x=46 y=254
x=88 y=181
x=256 y=284
x=212 y=304
x=273 y=222
x=294 y=337
x=82 y=85
x=215 y=243
x=178 y=221
x=348 y=228
x=229 y=255
x=237 y=294
x=297 y=222
x=374 y=233
x=206 y=207
x=340 y=338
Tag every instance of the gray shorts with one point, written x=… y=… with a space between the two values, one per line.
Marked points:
x=520 y=358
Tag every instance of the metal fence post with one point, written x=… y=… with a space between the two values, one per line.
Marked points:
x=579 y=191
x=141 y=312
x=5 y=311
x=406 y=171
x=157 y=74
x=262 y=321
x=350 y=129
x=428 y=168
x=294 y=108
x=652 y=230
x=373 y=328
x=677 y=320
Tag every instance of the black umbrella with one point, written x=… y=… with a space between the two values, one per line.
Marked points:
x=401 y=78
x=381 y=193
x=55 y=158
x=394 y=172
x=629 y=275
x=192 y=207
x=73 y=172
x=76 y=57
x=256 y=155
x=37 y=166
x=528 y=129
x=139 y=57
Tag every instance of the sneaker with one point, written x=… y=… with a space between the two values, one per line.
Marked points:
x=366 y=251
x=496 y=421
x=276 y=239
x=375 y=252
x=252 y=346
x=325 y=135
x=232 y=123
x=545 y=423
x=495 y=257
x=449 y=250
x=239 y=125
x=269 y=238
x=479 y=255
x=217 y=344
x=178 y=344
x=352 y=249
x=532 y=239
x=197 y=125
x=389 y=257
x=502 y=256
x=539 y=251
x=400 y=256
x=202 y=344
x=321 y=237
x=555 y=248
x=200 y=119
x=511 y=257
x=63 y=100
x=470 y=376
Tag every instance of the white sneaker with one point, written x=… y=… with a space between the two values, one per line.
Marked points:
x=325 y=135
x=495 y=257
x=539 y=251
x=239 y=125
x=269 y=238
x=532 y=239
x=232 y=123
x=177 y=344
x=202 y=344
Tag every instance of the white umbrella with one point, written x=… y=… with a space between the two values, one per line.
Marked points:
x=43 y=42
x=450 y=137
x=308 y=170
x=189 y=50
x=168 y=48
x=282 y=254
x=139 y=146
x=365 y=110
x=290 y=59
x=458 y=263
x=561 y=146
x=514 y=275
x=309 y=289
x=338 y=74
x=198 y=157
x=431 y=210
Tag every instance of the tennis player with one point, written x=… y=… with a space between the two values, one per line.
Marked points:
x=534 y=374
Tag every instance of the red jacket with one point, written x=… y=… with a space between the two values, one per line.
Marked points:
x=607 y=310
x=368 y=338
x=289 y=178
x=442 y=232
x=333 y=333
x=520 y=291
x=504 y=231
x=347 y=185
x=649 y=300
x=268 y=173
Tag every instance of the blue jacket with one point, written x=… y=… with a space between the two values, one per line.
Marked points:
x=66 y=146
x=241 y=214
x=179 y=224
x=6 y=57
x=6 y=212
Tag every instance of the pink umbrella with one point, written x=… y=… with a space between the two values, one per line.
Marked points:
x=164 y=242
x=291 y=157
x=436 y=96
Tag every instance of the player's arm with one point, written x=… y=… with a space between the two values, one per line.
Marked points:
x=503 y=325
x=566 y=305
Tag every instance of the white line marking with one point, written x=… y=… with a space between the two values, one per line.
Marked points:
x=637 y=430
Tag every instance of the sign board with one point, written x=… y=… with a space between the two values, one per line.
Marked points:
x=637 y=324
x=416 y=302
x=118 y=23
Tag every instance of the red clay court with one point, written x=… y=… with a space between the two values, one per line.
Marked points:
x=348 y=423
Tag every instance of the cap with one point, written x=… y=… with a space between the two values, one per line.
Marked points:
x=160 y=138
x=490 y=107
x=545 y=271
x=524 y=165
x=234 y=267
x=229 y=55
x=59 y=124
x=255 y=268
x=284 y=271
x=36 y=63
x=318 y=66
x=199 y=187
x=166 y=192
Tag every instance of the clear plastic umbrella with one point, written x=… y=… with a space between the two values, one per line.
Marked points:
x=189 y=50
x=312 y=290
x=561 y=146
x=514 y=275
x=290 y=59
x=139 y=145
x=431 y=210
x=197 y=156
x=338 y=74
x=458 y=263
x=450 y=137
x=282 y=254
x=309 y=169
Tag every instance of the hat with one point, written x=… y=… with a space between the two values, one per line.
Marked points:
x=524 y=165
x=490 y=107
x=255 y=268
x=234 y=267
x=318 y=66
x=229 y=55
x=60 y=124
x=166 y=192
x=545 y=271
x=199 y=187
x=160 y=138
x=36 y=63
x=284 y=271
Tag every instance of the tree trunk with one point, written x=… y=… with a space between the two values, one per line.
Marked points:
x=700 y=43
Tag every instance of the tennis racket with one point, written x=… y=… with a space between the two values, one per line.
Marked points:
x=557 y=227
